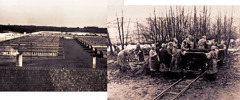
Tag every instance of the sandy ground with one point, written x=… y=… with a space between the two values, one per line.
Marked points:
x=123 y=86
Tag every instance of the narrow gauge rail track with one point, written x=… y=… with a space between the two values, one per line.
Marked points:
x=177 y=92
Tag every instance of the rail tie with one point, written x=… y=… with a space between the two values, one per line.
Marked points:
x=178 y=94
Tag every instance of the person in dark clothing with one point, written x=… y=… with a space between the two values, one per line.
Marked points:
x=169 y=54
x=162 y=56
x=163 y=53
x=139 y=53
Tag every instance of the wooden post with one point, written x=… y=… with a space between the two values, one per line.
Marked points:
x=19 y=60
x=94 y=62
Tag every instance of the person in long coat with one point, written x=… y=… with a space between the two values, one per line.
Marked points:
x=213 y=56
x=175 y=57
x=169 y=54
x=122 y=59
x=163 y=53
x=153 y=59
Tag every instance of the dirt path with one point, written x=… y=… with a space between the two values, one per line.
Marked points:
x=225 y=87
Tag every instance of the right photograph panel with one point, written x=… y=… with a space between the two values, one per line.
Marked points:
x=173 y=52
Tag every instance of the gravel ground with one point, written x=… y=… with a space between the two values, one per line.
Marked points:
x=122 y=86
x=39 y=79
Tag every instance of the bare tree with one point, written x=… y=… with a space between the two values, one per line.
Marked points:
x=127 y=31
x=177 y=25
x=109 y=44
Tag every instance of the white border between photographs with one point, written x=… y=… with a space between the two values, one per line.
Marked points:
x=53 y=95
x=181 y=2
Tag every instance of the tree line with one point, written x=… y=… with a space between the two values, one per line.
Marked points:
x=175 y=23
x=32 y=28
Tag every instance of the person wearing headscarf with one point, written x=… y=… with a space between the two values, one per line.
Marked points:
x=202 y=43
x=211 y=43
x=187 y=44
x=213 y=56
x=122 y=59
x=175 y=42
x=162 y=56
x=139 y=53
x=232 y=43
x=153 y=59
x=163 y=53
x=222 y=45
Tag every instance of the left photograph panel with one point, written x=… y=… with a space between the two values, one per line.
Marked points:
x=49 y=45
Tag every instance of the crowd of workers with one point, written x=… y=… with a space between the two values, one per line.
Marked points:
x=170 y=54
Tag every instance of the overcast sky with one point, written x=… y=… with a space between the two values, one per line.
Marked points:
x=140 y=13
x=70 y=13
x=146 y=11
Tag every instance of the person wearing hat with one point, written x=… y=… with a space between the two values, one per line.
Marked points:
x=122 y=60
x=202 y=43
x=213 y=56
x=153 y=59
x=139 y=53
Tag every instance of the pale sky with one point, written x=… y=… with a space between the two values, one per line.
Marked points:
x=141 y=12
x=146 y=11
x=69 y=13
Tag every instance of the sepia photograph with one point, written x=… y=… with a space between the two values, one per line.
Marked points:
x=173 y=52
x=49 y=45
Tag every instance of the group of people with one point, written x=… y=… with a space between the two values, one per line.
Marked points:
x=169 y=54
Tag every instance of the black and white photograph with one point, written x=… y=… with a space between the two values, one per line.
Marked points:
x=53 y=45
x=173 y=52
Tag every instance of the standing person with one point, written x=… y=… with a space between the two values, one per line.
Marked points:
x=222 y=51
x=175 y=57
x=169 y=54
x=122 y=60
x=117 y=49
x=187 y=44
x=153 y=59
x=222 y=45
x=213 y=56
x=163 y=53
x=211 y=43
x=162 y=57
x=139 y=53
x=175 y=42
x=232 y=43
x=202 y=43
